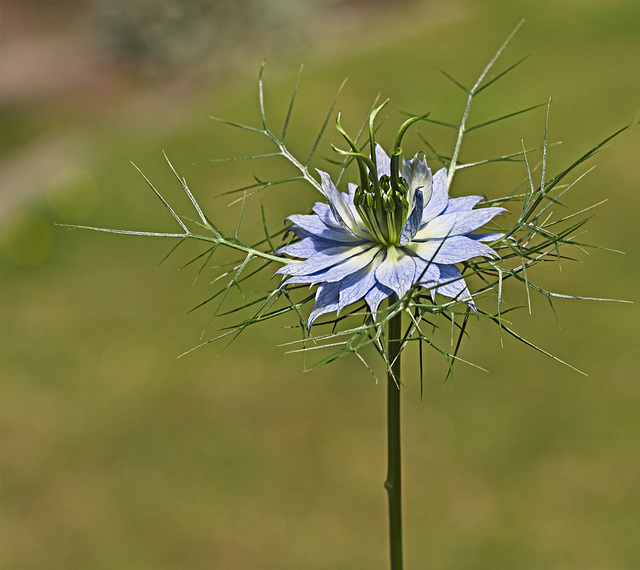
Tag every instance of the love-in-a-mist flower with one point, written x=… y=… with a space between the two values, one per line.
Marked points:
x=396 y=229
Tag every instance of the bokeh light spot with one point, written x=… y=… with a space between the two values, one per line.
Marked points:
x=25 y=239
x=72 y=193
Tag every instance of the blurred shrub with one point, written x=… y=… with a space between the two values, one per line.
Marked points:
x=165 y=34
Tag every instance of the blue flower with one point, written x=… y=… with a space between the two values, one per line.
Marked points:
x=397 y=229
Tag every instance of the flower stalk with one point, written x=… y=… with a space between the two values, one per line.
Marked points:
x=393 y=483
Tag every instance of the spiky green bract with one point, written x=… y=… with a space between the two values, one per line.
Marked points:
x=536 y=236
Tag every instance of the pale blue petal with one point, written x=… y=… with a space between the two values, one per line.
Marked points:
x=486 y=237
x=327 y=298
x=306 y=247
x=457 y=223
x=406 y=169
x=375 y=296
x=383 y=162
x=463 y=203
x=312 y=225
x=417 y=175
x=427 y=272
x=457 y=289
x=325 y=214
x=340 y=208
x=362 y=230
x=413 y=221
x=341 y=270
x=451 y=250
x=397 y=271
x=439 y=196
x=324 y=259
x=356 y=286
x=309 y=279
x=335 y=273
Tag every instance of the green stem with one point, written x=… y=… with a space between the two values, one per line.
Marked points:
x=393 y=484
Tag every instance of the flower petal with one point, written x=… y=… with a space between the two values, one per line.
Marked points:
x=439 y=196
x=324 y=259
x=327 y=297
x=457 y=223
x=427 y=272
x=417 y=175
x=462 y=203
x=348 y=267
x=375 y=296
x=306 y=247
x=457 y=288
x=397 y=271
x=383 y=162
x=357 y=285
x=413 y=221
x=339 y=206
x=312 y=225
x=451 y=250
x=324 y=212
x=486 y=237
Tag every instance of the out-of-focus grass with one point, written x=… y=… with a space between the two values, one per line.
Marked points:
x=117 y=455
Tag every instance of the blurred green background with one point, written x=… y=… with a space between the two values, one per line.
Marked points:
x=117 y=455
